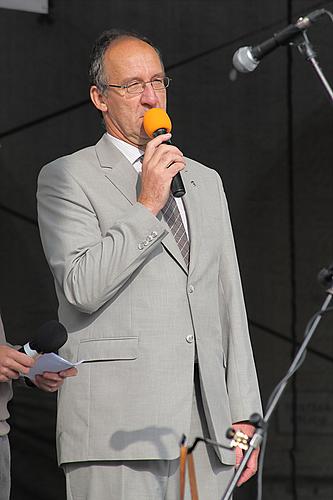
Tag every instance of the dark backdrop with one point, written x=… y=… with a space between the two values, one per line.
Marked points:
x=268 y=133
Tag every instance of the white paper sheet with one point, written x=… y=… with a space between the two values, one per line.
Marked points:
x=50 y=363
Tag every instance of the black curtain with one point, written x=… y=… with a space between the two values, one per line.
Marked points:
x=268 y=133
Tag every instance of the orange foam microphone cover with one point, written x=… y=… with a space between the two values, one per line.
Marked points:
x=155 y=119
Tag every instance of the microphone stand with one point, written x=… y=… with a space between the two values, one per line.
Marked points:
x=326 y=278
x=305 y=48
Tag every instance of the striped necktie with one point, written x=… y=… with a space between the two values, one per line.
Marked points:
x=173 y=218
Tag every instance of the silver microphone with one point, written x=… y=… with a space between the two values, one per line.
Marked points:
x=246 y=59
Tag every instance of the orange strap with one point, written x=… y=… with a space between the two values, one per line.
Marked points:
x=182 y=470
x=193 y=480
x=191 y=473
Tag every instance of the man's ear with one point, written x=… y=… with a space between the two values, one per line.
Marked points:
x=98 y=99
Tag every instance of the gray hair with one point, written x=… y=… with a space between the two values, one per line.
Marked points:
x=96 y=69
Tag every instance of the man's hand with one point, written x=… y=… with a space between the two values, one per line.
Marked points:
x=160 y=164
x=50 y=381
x=12 y=363
x=252 y=464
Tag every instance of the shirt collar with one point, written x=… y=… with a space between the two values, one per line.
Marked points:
x=132 y=153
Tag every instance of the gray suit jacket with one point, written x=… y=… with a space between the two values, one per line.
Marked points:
x=131 y=308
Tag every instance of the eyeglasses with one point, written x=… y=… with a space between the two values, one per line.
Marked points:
x=139 y=87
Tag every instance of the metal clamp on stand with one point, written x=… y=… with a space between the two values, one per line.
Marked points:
x=186 y=457
x=241 y=440
x=306 y=49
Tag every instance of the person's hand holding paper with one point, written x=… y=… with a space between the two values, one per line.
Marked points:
x=50 y=370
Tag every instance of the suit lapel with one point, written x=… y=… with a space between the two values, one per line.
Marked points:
x=118 y=169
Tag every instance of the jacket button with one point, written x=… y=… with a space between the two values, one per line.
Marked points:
x=190 y=339
x=140 y=246
x=191 y=289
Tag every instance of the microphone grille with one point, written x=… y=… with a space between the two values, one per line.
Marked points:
x=50 y=337
x=244 y=61
x=154 y=119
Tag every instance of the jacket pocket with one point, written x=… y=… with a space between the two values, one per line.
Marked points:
x=108 y=349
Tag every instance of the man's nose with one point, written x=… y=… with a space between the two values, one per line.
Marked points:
x=149 y=96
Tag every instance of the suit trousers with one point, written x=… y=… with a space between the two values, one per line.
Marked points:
x=4 y=468
x=152 y=479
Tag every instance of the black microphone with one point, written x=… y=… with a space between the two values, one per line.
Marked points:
x=156 y=121
x=49 y=338
x=177 y=185
x=246 y=59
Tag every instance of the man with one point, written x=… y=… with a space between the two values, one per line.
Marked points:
x=161 y=325
x=12 y=364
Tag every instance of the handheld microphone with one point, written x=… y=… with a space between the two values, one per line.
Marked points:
x=49 y=338
x=246 y=59
x=156 y=121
